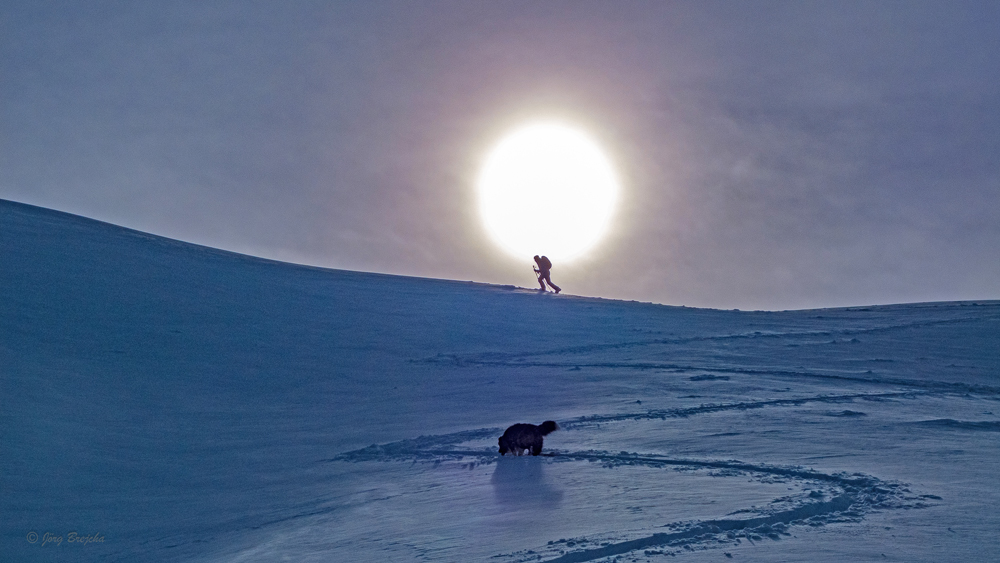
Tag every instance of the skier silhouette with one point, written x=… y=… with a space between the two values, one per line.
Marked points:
x=544 y=265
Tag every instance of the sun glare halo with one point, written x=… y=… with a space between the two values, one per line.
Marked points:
x=547 y=188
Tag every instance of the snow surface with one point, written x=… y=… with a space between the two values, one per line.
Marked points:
x=178 y=403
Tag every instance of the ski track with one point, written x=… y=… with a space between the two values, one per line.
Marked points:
x=951 y=424
x=846 y=498
x=851 y=496
x=744 y=405
x=943 y=386
x=857 y=495
x=501 y=358
x=413 y=447
x=562 y=358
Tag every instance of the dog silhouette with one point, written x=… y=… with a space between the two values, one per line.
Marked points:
x=521 y=437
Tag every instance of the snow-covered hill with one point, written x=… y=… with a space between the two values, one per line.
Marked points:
x=170 y=402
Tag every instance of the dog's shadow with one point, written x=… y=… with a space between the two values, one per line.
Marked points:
x=520 y=482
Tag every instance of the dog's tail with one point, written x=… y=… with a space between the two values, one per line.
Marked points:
x=548 y=427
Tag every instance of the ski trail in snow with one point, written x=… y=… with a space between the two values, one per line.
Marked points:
x=952 y=424
x=396 y=451
x=502 y=357
x=834 y=497
x=422 y=446
x=943 y=386
x=770 y=526
x=744 y=405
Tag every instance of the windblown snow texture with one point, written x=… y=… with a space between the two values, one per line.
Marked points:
x=177 y=403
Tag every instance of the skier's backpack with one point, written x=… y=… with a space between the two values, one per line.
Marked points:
x=544 y=263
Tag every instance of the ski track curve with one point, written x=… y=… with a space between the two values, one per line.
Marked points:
x=848 y=497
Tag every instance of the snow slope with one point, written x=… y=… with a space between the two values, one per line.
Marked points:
x=177 y=403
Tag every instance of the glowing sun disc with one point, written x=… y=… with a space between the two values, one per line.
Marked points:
x=547 y=189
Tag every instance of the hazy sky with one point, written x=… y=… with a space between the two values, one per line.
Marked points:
x=772 y=154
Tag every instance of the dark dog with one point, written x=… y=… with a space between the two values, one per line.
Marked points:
x=521 y=437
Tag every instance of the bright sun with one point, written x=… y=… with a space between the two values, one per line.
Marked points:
x=547 y=189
